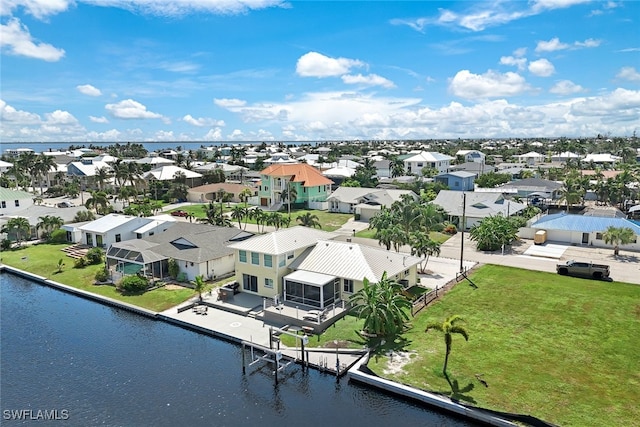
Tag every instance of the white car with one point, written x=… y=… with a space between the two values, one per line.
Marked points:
x=66 y=204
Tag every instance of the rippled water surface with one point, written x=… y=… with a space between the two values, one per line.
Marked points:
x=109 y=367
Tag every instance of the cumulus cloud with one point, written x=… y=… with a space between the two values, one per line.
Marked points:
x=89 y=90
x=130 y=109
x=368 y=80
x=229 y=102
x=59 y=117
x=629 y=73
x=489 y=85
x=213 y=135
x=541 y=68
x=520 y=63
x=555 y=44
x=10 y=114
x=100 y=119
x=314 y=64
x=15 y=39
x=202 y=121
x=566 y=87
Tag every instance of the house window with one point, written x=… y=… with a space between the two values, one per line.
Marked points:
x=456 y=184
x=151 y=233
x=347 y=285
x=268 y=283
x=419 y=165
x=289 y=255
x=4 y=204
x=598 y=236
x=119 y=237
x=138 y=235
x=406 y=272
x=17 y=202
x=249 y=283
x=282 y=261
x=243 y=256
x=255 y=258
x=268 y=260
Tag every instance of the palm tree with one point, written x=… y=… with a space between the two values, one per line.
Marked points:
x=244 y=196
x=98 y=201
x=423 y=246
x=238 y=212
x=308 y=219
x=198 y=285
x=274 y=219
x=385 y=237
x=27 y=163
x=42 y=167
x=617 y=236
x=18 y=224
x=49 y=223
x=102 y=176
x=260 y=216
x=382 y=306
x=448 y=327
x=288 y=194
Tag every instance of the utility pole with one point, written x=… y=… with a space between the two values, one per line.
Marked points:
x=464 y=210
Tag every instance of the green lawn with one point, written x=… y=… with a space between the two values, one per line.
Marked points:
x=43 y=260
x=559 y=348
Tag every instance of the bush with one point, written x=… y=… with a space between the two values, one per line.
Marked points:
x=174 y=268
x=5 y=244
x=94 y=256
x=102 y=275
x=450 y=229
x=80 y=263
x=133 y=284
x=58 y=236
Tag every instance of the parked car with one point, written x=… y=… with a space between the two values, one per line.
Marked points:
x=180 y=213
x=66 y=204
x=584 y=269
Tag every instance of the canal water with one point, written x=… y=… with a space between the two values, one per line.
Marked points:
x=98 y=365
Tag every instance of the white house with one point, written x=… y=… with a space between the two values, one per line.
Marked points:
x=115 y=228
x=471 y=156
x=13 y=201
x=427 y=159
x=368 y=200
x=531 y=158
x=478 y=206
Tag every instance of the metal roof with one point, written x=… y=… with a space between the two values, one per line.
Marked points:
x=111 y=221
x=581 y=223
x=353 y=261
x=283 y=241
x=310 y=277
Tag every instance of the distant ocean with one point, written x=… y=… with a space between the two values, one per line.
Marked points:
x=39 y=147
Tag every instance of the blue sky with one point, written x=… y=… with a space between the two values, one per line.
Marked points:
x=268 y=70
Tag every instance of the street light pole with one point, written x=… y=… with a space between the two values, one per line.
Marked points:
x=464 y=209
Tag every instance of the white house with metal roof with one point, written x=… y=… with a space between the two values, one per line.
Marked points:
x=13 y=201
x=334 y=270
x=580 y=229
x=478 y=206
x=365 y=202
x=262 y=261
x=115 y=228
x=427 y=159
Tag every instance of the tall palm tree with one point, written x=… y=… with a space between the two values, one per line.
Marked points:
x=41 y=168
x=238 y=212
x=449 y=327
x=274 y=219
x=288 y=194
x=617 y=236
x=49 y=223
x=423 y=246
x=102 y=176
x=27 y=163
x=308 y=219
x=244 y=196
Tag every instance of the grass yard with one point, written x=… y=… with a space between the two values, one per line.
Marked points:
x=559 y=348
x=43 y=260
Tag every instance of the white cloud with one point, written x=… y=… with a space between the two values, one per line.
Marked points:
x=555 y=44
x=629 y=73
x=100 y=119
x=489 y=85
x=59 y=117
x=236 y=135
x=620 y=102
x=514 y=61
x=314 y=64
x=541 y=68
x=229 y=102
x=15 y=39
x=551 y=46
x=89 y=90
x=566 y=87
x=130 y=109
x=184 y=7
x=213 y=135
x=539 y=5
x=368 y=80
x=39 y=9
x=10 y=114
x=202 y=121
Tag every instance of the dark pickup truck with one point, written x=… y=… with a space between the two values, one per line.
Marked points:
x=584 y=269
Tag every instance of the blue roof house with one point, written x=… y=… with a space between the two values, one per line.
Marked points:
x=580 y=229
x=457 y=181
